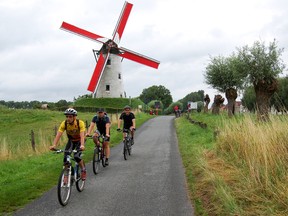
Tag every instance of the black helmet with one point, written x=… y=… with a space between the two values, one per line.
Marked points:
x=127 y=107
x=70 y=111
x=100 y=110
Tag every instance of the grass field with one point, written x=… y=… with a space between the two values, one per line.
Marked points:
x=16 y=126
x=26 y=175
x=236 y=166
x=243 y=171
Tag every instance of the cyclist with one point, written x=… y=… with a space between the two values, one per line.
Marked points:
x=102 y=122
x=176 y=110
x=129 y=122
x=75 y=129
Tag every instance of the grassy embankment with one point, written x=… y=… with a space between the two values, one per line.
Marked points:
x=26 y=174
x=243 y=171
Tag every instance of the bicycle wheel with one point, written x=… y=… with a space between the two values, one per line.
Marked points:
x=96 y=161
x=64 y=187
x=79 y=182
x=103 y=157
x=129 y=149
x=125 y=150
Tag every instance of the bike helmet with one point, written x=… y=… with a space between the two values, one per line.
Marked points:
x=70 y=111
x=100 y=110
x=127 y=107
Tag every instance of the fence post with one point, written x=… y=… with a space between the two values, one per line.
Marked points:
x=33 y=140
x=87 y=126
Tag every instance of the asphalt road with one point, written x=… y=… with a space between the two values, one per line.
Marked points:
x=151 y=182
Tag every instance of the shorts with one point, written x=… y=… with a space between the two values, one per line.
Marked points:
x=71 y=145
x=106 y=139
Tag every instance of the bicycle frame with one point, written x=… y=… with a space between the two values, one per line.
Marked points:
x=127 y=134
x=99 y=154
x=72 y=169
x=127 y=143
x=68 y=176
x=101 y=148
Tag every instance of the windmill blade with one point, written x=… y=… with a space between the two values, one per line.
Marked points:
x=129 y=54
x=98 y=71
x=76 y=30
x=117 y=34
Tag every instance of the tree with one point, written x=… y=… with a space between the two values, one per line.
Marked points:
x=262 y=65
x=249 y=99
x=280 y=98
x=192 y=97
x=223 y=74
x=156 y=93
x=218 y=101
x=62 y=104
x=170 y=109
x=207 y=101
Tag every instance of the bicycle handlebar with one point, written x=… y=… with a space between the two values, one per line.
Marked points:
x=57 y=151
x=90 y=136
x=126 y=130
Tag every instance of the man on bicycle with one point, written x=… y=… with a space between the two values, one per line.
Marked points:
x=75 y=130
x=129 y=122
x=102 y=122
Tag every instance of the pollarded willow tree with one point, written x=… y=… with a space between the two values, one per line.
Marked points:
x=223 y=74
x=262 y=66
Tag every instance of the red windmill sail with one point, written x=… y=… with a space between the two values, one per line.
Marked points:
x=111 y=46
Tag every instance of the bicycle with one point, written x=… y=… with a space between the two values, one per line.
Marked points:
x=127 y=147
x=68 y=176
x=98 y=155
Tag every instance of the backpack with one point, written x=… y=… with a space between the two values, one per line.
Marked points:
x=77 y=124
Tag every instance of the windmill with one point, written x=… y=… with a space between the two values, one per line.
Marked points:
x=106 y=80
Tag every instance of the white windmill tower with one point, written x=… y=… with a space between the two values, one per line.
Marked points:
x=106 y=80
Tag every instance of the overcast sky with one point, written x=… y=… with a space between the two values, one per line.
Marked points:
x=38 y=61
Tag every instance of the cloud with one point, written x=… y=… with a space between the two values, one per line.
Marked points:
x=40 y=62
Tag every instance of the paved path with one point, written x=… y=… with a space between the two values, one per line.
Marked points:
x=151 y=182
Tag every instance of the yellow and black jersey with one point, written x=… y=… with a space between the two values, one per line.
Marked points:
x=73 y=130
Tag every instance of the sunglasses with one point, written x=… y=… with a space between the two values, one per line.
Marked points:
x=69 y=116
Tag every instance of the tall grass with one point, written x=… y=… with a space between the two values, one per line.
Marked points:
x=244 y=171
x=258 y=155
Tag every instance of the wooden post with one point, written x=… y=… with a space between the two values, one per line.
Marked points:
x=33 y=140
x=87 y=126
x=111 y=117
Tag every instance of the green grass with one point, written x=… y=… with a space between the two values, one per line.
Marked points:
x=28 y=177
x=243 y=171
x=193 y=140
x=16 y=126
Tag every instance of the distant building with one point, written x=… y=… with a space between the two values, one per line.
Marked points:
x=44 y=106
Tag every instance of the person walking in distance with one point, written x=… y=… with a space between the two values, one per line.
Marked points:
x=129 y=122
x=102 y=122
x=75 y=130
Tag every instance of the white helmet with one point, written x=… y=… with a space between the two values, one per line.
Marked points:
x=70 y=111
